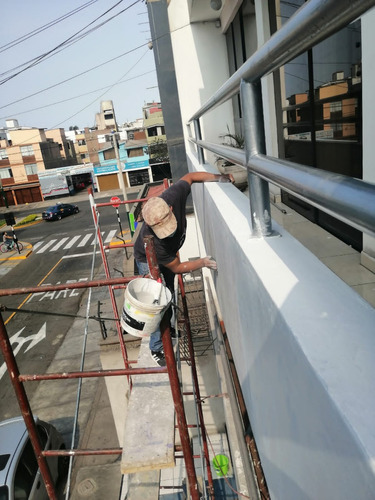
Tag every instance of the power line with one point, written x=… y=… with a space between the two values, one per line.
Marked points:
x=95 y=67
x=23 y=38
x=83 y=95
x=75 y=114
x=70 y=40
x=73 y=77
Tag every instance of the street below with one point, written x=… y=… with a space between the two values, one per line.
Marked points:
x=38 y=323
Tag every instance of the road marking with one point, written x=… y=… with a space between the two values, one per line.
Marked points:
x=110 y=235
x=79 y=240
x=20 y=341
x=59 y=244
x=37 y=245
x=43 y=249
x=80 y=255
x=30 y=294
x=85 y=240
x=71 y=242
x=93 y=243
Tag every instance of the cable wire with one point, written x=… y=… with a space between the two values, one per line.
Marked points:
x=23 y=38
x=70 y=40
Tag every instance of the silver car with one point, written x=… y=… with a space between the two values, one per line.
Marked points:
x=20 y=478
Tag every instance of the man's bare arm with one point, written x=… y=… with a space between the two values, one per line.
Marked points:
x=179 y=267
x=192 y=177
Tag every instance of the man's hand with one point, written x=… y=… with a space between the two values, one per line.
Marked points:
x=226 y=178
x=210 y=262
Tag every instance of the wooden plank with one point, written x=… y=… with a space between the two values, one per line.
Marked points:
x=144 y=486
x=149 y=428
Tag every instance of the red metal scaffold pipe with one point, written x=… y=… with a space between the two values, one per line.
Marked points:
x=108 y=275
x=173 y=377
x=25 y=408
x=196 y=386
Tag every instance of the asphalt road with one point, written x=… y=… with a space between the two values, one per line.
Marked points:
x=62 y=253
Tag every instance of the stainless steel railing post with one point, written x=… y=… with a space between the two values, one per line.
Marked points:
x=198 y=136
x=253 y=126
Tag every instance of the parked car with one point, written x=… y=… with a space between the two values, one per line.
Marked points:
x=59 y=211
x=20 y=478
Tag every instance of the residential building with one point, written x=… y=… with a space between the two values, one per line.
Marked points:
x=66 y=146
x=300 y=336
x=153 y=122
x=106 y=119
x=134 y=162
x=24 y=153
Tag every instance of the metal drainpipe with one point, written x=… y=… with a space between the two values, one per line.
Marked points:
x=252 y=112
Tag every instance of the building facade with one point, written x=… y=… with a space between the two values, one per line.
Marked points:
x=24 y=153
x=301 y=338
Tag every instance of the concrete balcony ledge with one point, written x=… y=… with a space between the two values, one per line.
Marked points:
x=303 y=343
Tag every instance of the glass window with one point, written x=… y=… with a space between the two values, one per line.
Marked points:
x=322 y=114
x=25 y=473
x=135 y=152
x=27 y=150
x=3 y=461
x=5 y=173
x=31 y=169
x=4 y=494
x=3 y=154
x=109 y=154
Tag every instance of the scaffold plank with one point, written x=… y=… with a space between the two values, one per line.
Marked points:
x=150 y=423
x=144 y=485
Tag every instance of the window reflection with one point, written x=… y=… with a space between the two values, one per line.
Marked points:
x=322 y=113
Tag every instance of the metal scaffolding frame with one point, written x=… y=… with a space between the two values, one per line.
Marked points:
x=18 y=379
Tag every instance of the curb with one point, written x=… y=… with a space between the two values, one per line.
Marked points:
x=28 y=249
x=116 y=242
x=27 y=225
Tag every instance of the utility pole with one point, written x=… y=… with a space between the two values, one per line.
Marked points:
x=114 y=137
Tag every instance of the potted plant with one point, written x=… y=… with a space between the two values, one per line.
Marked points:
x=227 y=167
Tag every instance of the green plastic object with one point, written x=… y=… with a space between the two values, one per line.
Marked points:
x=131 y=223
x=221 y=463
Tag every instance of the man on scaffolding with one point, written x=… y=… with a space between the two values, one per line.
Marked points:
x=165 y=219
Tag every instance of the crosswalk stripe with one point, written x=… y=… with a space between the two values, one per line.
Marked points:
x=56 y=244
x=59 y=244
x=37 y=245
x=93 y=243
x=43 y=249
x=85 y=240
x=110 y=235
x=71 y=242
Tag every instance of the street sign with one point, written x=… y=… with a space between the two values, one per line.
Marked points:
x=115 y=199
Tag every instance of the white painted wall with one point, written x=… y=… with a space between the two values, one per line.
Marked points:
x=303 y=344
x=303 y=341
x=201 y=65
x=368 y=113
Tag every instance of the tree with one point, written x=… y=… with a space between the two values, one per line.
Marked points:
x=158 y=151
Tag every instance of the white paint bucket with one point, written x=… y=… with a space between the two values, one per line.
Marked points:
x=145 y=302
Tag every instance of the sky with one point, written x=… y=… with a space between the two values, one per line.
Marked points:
x=65 y=87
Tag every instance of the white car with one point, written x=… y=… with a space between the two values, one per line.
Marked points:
x=20 y=478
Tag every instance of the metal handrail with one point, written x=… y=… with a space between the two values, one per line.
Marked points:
x=348 y=199
x=311 y=23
